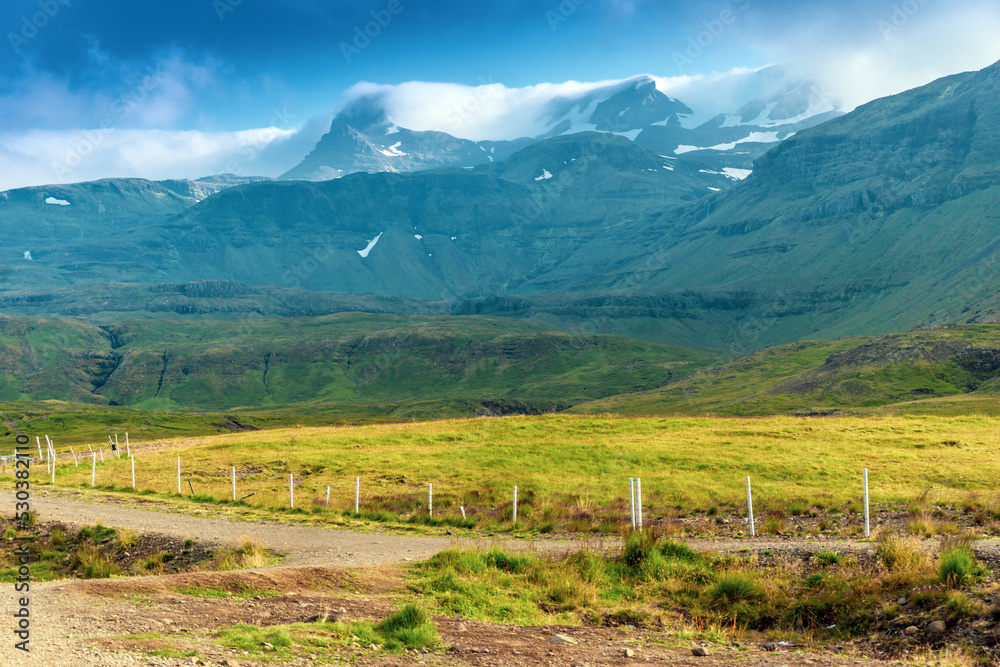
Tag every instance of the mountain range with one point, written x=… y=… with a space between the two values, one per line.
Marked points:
x=881 y=220
x=363 y=137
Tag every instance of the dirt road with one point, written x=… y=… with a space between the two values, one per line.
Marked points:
x=121 y=621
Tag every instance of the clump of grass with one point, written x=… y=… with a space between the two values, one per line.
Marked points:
x=735 y=587
x=827 y=558
x=91 y=563
x=898 y=554
x=798 y=508
x=127 y=538
x=957 y=566
x=410 y=627
x=961 y=605
x=774 y=523
x=96 y=533
x=253 y=639
x=922 y=526
x=248 y=554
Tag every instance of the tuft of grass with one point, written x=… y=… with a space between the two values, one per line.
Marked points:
x=90 y=562
x=735 y=587
x=774 y=523
x=254 y=639
x=899 y=554
x=959 y=604
x=127 y=538
x=957 y=565
x=410 y=627
x=827 y=558
x=248 y=554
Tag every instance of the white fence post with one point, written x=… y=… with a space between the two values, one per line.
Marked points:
x=515 y=505
x=638 y=502
x=753 y=531
x=867 y=524
x=178 y=475
x=357 y=494
x=327 y=497
x=631 y=500
x=234 y=484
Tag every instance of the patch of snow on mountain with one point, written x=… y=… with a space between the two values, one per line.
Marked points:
x=56 y=202
x=454 y=238
x=715 y=189
x=668 y=167
x=371 y=244
x=764 y=116
x=418 y=237
x=736 y=174
x=545 y=175
x=754 y=137
x=393 y=151
x=392 y=130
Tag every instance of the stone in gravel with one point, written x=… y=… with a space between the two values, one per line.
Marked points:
x=628 y=653
x=770 y=646
x=230 y=663
x=561 y=639
x=901 y=601
x=936 y=626
x=912 y=630
x=461 y=628
x=700 y=651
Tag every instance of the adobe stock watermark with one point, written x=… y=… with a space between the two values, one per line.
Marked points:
x=365 y=33
x=120 y=110
x=223 y=7
x=560 y=13
x=32 y=25
x=22 y=554
x=714 y=28
x=901 y=14
x=471 y=103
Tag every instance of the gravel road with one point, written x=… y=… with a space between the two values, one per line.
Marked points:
x=70 y=618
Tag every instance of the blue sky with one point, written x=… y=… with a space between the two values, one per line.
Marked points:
x=181 y=86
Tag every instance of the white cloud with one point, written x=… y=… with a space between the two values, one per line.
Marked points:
x=67 y=156
x=888 y=48
x=488 y=111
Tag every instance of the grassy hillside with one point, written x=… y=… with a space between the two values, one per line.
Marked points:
x=944 y=370
x=381 y=364
x=52 y=358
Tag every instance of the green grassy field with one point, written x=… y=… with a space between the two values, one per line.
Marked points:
x=570 y=468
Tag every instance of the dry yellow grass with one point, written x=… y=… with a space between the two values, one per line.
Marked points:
x=576 y=461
